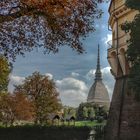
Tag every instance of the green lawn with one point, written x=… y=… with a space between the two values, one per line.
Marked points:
x=88 y=123
x=83 y=123
x=77 y=124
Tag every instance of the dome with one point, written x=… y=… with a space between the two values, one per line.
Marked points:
x=98 y=93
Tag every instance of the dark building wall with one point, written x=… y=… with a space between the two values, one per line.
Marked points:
x=124 y=115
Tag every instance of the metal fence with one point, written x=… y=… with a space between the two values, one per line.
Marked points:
x=97 y=133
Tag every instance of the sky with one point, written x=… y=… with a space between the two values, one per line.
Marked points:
x=73 y=73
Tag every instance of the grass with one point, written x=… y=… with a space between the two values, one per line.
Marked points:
x=88 y=123
x=81 y=123
x=77 y=124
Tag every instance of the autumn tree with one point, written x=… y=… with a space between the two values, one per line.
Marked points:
x=133 y=52
x=15 y=107
x=42 y=92
x=24 y=109
x=6 y=109
x=4 y=74
x=26 y=24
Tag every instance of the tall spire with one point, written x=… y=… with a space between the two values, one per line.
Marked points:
x=98 y=74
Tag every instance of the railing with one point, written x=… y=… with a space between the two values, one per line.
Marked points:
x=97 y=133
x=109 y=43
x=122 y=40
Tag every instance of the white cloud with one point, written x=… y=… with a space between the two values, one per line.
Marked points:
x=106 y=70
x=15 y=80
x=74 y=74
x=91 y=74
x=49 y=75
x=72 y=91
x=107 y=39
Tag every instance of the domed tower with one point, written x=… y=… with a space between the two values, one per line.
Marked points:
x=98 y=93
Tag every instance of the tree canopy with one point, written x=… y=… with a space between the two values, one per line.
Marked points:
x=26 y=24
x=42 y=92
x=34 y=100
x=133 y=4
x=15 y=107
x=4 y=74
x=133 y=52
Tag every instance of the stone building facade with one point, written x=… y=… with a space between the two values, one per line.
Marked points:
x=124 y=114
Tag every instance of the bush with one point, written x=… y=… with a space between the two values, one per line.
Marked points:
x=100 y=119
x=44 y=133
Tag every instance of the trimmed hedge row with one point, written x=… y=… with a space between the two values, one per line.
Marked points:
x=44 y=133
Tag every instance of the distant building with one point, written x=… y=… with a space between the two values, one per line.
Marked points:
x=98 y=93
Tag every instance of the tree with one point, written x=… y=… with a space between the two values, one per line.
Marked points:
x=133 y=52
x=26 y=24
x=14 y=107
x=4 y=74
x=133 y=4
x=24 y=109
x=85 y=112
x=69 y=111
x=79 y=113
x=6 y=109
x=42 y=92
x=91 y=113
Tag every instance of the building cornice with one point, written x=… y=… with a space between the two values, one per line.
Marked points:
x=110 y=6
x=118 y=13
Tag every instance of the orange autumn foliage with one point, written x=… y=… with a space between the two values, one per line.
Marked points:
x=15 y=107
x=57 y=7
x=46 y=23
x=23 y=107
